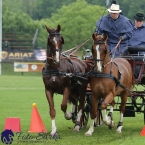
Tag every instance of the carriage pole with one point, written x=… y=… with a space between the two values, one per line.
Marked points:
x=0 y=35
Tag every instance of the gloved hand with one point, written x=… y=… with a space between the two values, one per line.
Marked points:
x=121 y=38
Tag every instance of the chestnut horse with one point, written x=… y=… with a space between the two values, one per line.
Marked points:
x=63 y=75
x=110 y=77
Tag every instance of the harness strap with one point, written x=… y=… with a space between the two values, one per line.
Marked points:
x=53 y=72
x=109 y=76
x=119 y=76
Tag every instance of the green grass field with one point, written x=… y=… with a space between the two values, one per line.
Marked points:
x=18 y=93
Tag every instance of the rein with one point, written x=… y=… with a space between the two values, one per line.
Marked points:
x=56 y=72
x=76 y=48
x=114 y=49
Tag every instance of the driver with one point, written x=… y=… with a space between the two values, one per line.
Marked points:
x=117 y=27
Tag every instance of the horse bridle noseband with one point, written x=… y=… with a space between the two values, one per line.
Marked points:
x=56 y=50
x=100 y=42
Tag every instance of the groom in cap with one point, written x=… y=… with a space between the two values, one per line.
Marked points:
x=138 y=34
x=117 y=27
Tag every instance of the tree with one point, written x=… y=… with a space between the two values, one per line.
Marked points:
x=78 y=22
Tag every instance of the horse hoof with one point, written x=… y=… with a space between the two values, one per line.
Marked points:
x=88 y=133
x=107 y=122
x=54 y=135
x=76 y=128
x=68 y=116
x=119 y=129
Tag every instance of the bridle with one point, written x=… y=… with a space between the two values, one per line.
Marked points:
x=55 y=34
x=101 y=42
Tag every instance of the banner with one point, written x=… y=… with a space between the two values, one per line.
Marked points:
x=28 y=67
x=26 y=55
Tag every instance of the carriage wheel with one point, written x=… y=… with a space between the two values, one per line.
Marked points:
x=138 y=105
x=85 y=117
x=99 y=117
x=86 y=111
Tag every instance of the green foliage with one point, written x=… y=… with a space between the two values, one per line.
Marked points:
x=26 y=6
x=77 y=18
x=78 y=22
x=129 y=7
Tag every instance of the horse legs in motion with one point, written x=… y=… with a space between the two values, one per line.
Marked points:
x=109 y=78
x=58 y=77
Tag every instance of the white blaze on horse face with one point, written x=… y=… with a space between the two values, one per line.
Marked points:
x=57 y=52
x=98 y=57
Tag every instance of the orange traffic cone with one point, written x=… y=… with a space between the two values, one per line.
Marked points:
x=143 y=132
x=36 y=124
x=13 y=124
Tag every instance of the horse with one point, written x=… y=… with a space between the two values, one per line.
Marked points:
x=109 y=77
x=63 y=75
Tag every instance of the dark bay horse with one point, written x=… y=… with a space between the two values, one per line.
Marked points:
x=60 y=75
x=110 y=77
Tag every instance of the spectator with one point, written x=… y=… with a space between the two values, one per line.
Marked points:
x=117 y=27
x=88 y=54
x=6 y=45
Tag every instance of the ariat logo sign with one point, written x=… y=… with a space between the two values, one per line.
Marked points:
x=4 y=55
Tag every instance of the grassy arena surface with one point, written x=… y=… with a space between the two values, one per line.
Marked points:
x=17 y=93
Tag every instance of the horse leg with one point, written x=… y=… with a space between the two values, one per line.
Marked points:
x=122 y=109
x=80 y=110
x=73 y=107
x=66 y=95
x=110 y=114
x=93 y=115
x=52 y=112
x=108 y=120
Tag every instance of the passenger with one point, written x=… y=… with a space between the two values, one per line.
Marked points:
x=138 y=37
x=117 y=27
x=138 y=33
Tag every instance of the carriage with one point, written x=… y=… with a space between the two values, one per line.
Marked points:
x=137 y=103
x=72 y=78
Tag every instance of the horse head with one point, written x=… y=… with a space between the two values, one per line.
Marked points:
x=54 y=44
x=99 y=51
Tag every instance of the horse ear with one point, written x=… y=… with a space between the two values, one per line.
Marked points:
x=58 y=28
x=105 y=37
x=93 y=36
x=62 y=40
x=48 y=30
